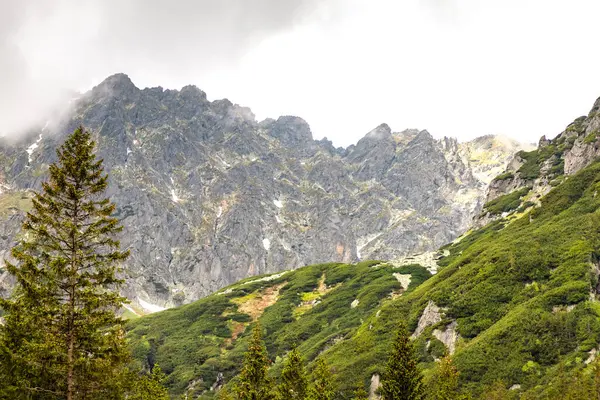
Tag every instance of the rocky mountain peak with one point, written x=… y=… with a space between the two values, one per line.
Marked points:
x=193 y=93
x=423 y=136
x=383 y=131
x=291 y=131
x=208 y=196
x=116 y=85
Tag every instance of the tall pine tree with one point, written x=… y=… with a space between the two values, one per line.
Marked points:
x=293 y=378
x=402 y=379
x=254 y=382
x=323 y=387
x=61 y=338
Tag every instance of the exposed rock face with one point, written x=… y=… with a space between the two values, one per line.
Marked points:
x=431 y=316
x=209 y=196
x=375 y=384
x=449 y=336
x=573 y=149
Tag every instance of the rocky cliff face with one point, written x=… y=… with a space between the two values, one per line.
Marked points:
x=208 y=195
x=548 y=166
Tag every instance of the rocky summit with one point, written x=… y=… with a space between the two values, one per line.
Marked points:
x=208 y=195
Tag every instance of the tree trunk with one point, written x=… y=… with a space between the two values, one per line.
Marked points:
x=70 y=367
x=71 y=326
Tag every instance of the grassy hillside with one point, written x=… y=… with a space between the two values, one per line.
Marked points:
x=520 y=293
x=314 y=307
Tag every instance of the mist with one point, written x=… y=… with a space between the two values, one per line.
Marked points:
x=51 y=49
x=520 y=68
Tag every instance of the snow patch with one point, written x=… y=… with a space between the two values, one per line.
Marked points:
x=358 y=252
x=278 y=203
x=129 y=151
x=45 y=126
x=152 y=308
x=219 y=212
x=174 y=196
x=266 y=244
x=279 y=221
x=32 y=148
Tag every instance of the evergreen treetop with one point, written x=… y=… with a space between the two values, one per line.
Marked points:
x=61 y=338
x=293 y=378
x=254 y=382
x=402 y=379
x=323 y=386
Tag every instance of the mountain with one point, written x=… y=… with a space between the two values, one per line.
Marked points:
x=532 y=174
x=209 y=196
x=515 y=302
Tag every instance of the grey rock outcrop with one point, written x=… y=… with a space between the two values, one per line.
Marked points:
x=208 y=195
x=572 y=150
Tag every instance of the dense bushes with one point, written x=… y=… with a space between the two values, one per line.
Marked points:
x=506 y=203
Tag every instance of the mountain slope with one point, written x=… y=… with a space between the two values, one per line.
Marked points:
x=515 y=302
x=209 y=196
x=201 y=345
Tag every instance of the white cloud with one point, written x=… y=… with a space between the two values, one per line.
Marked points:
x=458 y=68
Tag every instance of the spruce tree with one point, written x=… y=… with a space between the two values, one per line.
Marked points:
x=444 y=381
x=402 y=379
x=61 y=338
x=293 y=378
x=254 y=382
x=323 y=387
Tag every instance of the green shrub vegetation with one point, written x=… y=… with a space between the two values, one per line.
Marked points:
x=194 y=342
x=591 y=137
x=504 y=176
x=506 y=203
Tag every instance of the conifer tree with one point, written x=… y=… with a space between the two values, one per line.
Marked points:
x=323 y=387
x=254 y=382
x=61 y=338
x=293 y=378
x=444 y=381
x=402 y=379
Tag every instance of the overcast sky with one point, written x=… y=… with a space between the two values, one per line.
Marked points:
x=522 y=68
